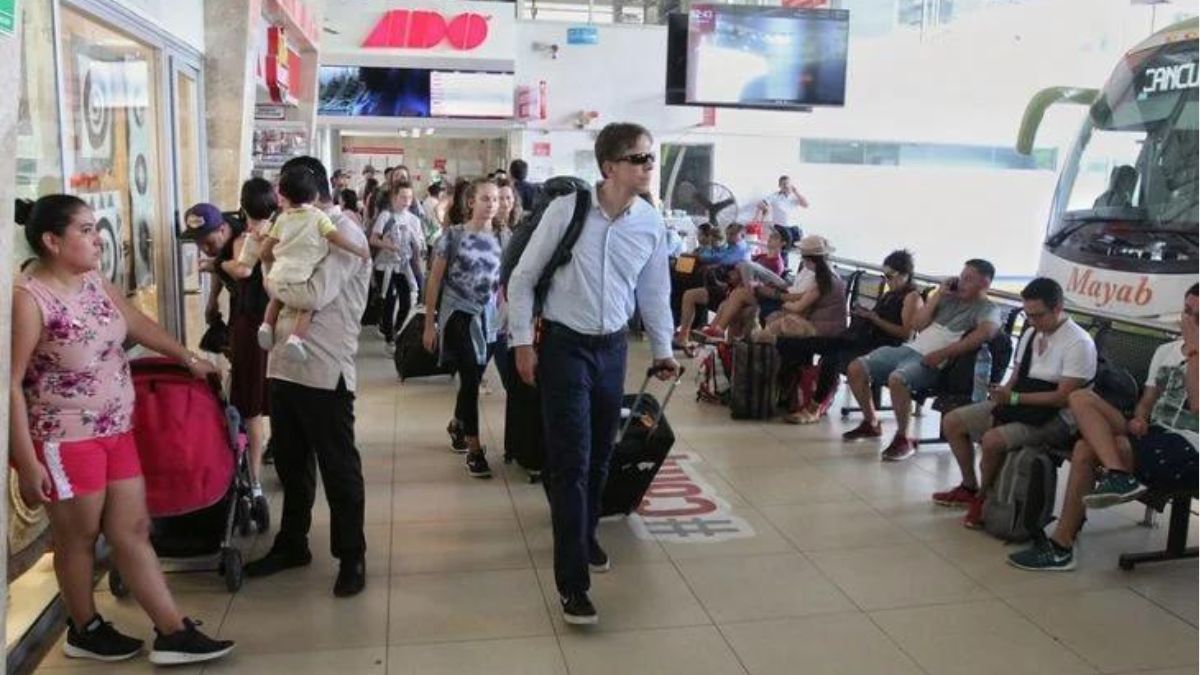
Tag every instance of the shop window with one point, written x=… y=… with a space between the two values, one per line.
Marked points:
x=39 y=152
x=112 y=135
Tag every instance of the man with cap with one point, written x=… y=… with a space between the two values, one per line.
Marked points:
x=312 y=407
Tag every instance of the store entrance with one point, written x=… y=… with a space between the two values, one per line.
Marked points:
x=431 y=154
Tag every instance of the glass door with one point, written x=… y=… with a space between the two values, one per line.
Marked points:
x=190 y=188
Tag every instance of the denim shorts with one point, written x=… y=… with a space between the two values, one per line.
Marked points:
x=904 y=361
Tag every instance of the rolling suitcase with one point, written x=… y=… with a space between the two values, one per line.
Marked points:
x=411 y=358
x=522 y=421
x=752 y=390
x=642 y=447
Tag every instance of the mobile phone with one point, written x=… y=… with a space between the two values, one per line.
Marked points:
x=953 y=284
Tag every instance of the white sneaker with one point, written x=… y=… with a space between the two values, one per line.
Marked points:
x=294 y=347
x=266 y=337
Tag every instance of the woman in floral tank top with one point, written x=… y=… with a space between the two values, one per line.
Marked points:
x=71 y=411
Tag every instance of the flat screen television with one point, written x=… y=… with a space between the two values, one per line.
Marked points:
x=353 y=91
x=775 y=58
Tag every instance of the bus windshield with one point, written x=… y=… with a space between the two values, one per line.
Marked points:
x=1135 y=159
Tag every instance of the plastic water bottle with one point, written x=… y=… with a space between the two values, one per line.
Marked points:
x=983 y=374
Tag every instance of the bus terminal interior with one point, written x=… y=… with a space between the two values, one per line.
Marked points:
x=1013 y=182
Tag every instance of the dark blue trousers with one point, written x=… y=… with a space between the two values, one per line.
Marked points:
x=581 y=379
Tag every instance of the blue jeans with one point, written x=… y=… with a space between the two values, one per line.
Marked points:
x=581 y=379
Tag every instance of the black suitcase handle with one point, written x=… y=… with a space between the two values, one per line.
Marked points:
x=662 y=408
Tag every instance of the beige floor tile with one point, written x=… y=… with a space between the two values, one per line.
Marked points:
x=762 y=587
x=747 y=452
x=616 y=537
x=896 y=576
x=528 y=656
x=984 y=637
x=461 y=500
x=775 y=486
x=369 y=661
x=674 y=651
x=458 y=546
x=843 y=644
x=466 y=606
x=1115 y=630
x=377 y=508
x=816 y=527
x=128 y=617
x=324 y=568
x=1172 y=586
x=634 y=597
x=266 y=618
x=138 y=666
x=765 y=540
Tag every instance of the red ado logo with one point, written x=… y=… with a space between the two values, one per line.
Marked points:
x=425 y=29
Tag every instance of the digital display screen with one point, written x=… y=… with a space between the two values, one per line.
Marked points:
x=352 y=91
x=760 y=57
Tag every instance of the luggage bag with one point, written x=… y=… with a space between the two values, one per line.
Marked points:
x=642 y=447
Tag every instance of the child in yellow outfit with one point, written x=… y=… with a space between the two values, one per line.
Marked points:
x=298 y=240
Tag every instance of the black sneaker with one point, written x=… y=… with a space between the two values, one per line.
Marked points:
x=458 y=441
x=99 y=641
x=187 y=646
x=477 y=465
x=598 y=561
x=351 y=578
x=578 y=610
x=277 y=560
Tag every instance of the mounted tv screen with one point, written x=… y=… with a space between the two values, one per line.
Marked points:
x=352 y=91
x=740 y=56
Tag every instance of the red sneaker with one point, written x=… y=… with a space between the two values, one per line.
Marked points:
x=974 y=518
x=900 y=449
x=863 y=430
x=960 y=497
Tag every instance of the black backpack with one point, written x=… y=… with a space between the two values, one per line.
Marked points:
x=559 y=186
x=1115 y=385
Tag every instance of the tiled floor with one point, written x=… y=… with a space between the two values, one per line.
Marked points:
x=850 y=569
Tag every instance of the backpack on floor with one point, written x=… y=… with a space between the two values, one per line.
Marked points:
x=1021 y=503
x=714 y=365
x=753 y=390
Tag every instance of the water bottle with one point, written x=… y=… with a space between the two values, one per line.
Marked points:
x=983 y=374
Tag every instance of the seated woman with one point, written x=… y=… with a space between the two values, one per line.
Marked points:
x=1155 y=449
x=744 y=285
x=889 y=323
x=713 y=293
x=823 y=307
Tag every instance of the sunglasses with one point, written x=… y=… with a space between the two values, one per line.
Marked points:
x=639 y=159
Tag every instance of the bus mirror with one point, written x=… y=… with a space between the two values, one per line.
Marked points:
x=1041 y=101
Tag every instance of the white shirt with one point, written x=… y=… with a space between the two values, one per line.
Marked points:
x=784 y=208
x=1166 y=356
x=1068 y=352
x=400 y=234
x=615 y=262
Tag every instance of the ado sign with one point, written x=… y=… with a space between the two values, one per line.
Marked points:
x=425 y=29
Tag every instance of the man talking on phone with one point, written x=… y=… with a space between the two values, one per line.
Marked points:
x=618 y=263
x=956 y=320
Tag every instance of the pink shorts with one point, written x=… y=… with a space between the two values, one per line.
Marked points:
x=80 y=468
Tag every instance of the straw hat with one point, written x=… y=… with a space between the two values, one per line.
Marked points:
x=815 y=245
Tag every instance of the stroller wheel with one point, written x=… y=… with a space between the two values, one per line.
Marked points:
x=116 y=584
x=242 y=516
x=260 y=512
x=231 y=568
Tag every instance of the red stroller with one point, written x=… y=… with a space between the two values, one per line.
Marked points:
x=196 y=472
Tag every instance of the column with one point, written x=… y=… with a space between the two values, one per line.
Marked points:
x=229 y=31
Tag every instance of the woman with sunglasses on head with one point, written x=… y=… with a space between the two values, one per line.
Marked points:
x=71 y=416
x=461 y=304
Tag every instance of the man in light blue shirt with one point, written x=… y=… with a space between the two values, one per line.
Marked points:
x=618 y=263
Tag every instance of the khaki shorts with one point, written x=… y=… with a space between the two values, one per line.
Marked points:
x=977 y=419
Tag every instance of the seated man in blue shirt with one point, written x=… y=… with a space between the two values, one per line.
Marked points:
x=710 y=296
x=619 y=259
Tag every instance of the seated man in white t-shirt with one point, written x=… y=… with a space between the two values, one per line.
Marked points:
x=1053 y=359
x=955 y=321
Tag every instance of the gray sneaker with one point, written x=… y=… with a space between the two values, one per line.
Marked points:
x=1115 y=487
x=1044 y=556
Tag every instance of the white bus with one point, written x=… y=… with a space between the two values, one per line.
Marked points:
x=1122 y=232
